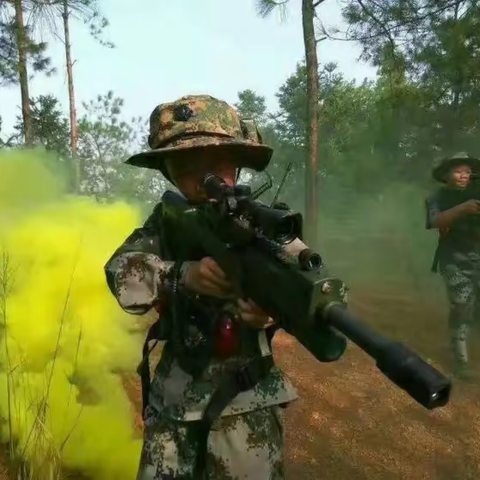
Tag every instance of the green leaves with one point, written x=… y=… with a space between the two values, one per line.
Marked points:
x=105 y=141
x=251 y=105
x=9 y=56
x=46 y=15
x=428 y=58
x=50 y=127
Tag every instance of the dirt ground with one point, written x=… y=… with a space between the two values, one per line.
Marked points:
x=351 y=423
x=5 y=473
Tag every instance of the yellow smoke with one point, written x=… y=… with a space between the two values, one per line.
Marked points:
x=63 y=336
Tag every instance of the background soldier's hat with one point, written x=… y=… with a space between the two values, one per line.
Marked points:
x=443 y=166
x=201 y=122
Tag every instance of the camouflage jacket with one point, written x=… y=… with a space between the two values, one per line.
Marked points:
x=138 y=277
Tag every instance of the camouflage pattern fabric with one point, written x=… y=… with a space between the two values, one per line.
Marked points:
x=181 y=397
x=201 y=122
x=461 y=274
x=246 y=441
x=183 y=120
x=138 y=277
x=247 y=447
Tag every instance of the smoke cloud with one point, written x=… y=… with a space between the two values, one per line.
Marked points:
x=63 y=336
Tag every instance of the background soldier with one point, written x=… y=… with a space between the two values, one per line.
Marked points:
x=221 y=336
x=453 y=210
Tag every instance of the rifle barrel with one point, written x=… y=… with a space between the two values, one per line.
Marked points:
x=396 y=361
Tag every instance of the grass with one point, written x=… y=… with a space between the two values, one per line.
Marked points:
x=39 y=457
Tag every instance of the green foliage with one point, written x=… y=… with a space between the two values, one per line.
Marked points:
x=6 y=142
x=9 y=53
x=290 y=120
x=425 y=102
x=50 y=130
x=105 y=142
x=47 y=13
x=350 y=137
x=50 y=126
x=251 y=105
x=428 y=58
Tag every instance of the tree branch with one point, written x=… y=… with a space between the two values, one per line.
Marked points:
x=400 y=25
x=265 y=7
x=55 y=34
x=8 y=142
x=381 y=25
x=392 y=29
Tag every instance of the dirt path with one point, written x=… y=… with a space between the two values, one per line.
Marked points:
x=352 y=423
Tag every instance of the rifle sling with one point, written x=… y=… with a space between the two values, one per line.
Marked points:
x=241 y=380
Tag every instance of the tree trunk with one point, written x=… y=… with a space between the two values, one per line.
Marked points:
x=453 y=129
x=458 y=77
x=71 y=97
x=311 y=164
x=23 y=73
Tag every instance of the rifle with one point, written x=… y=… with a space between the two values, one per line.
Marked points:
x=260 y=250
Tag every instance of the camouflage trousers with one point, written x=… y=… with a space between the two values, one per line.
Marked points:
x=461 y=274
x=248 y=446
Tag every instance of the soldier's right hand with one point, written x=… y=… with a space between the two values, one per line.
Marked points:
x=207 y=278
x=471 y=206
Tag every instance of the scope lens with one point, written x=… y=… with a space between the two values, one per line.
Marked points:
x=285 y=230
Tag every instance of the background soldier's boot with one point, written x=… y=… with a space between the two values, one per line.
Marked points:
x=458 y=345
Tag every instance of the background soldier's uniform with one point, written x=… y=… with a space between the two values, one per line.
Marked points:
x=458 y=259
x=246 y=441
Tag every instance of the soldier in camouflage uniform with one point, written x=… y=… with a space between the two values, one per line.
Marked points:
x=189 y=138
x=453 y=210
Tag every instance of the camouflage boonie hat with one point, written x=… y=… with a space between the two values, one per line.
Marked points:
x=443 y=166
x=201 y=122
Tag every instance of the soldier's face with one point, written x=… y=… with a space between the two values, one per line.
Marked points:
x=188 y=173
x=460 y=176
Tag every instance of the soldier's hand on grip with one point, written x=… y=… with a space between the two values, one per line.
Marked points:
x=253 y=315
x=471 y=206
x=207 y=278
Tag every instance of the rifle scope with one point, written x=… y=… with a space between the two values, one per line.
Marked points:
x=281 y=226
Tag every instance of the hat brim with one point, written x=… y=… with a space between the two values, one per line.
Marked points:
x=440 y=172
x=246 y=154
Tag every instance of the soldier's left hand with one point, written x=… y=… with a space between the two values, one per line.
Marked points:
x=253 y=315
